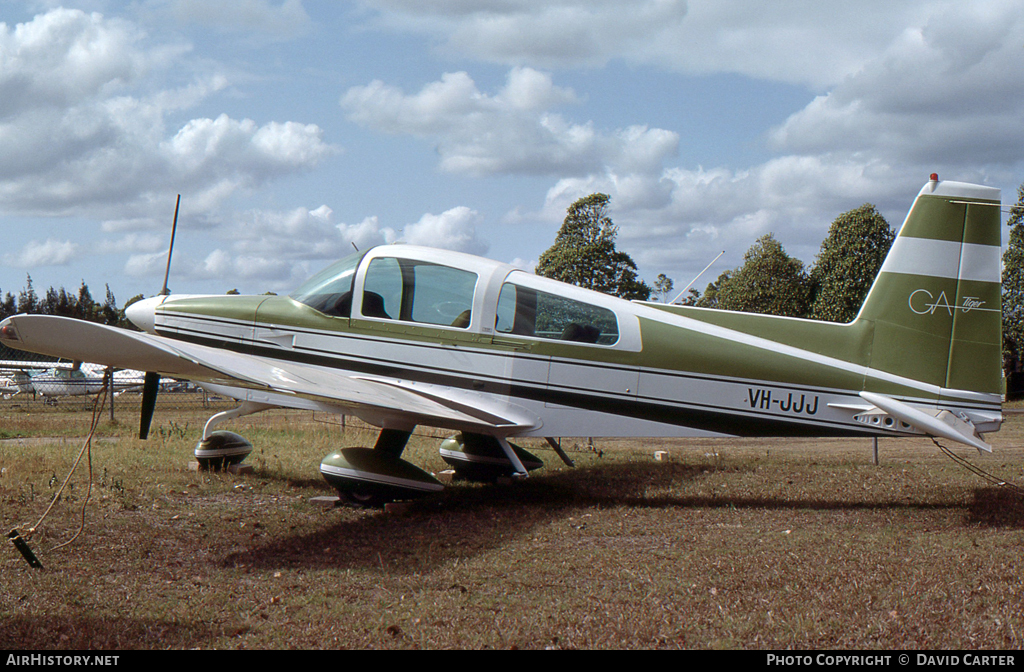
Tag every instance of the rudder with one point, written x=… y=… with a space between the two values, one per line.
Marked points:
x=936 y=304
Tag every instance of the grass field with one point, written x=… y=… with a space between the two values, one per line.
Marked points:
x=725 y=544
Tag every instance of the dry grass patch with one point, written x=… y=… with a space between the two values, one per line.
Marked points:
x=726 y=544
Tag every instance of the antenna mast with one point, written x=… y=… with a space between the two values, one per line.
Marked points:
x=695 y=279
x=170 y=250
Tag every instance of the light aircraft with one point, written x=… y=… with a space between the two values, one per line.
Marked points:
x=63 y=379
x=402 y=336
x=10 y=386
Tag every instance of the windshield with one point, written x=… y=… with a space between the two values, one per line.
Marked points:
x=330 y=290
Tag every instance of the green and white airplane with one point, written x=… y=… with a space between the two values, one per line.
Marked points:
x=402 y=336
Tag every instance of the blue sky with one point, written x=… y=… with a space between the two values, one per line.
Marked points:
x=296 y=129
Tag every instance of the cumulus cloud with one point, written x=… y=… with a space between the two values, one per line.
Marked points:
x=280 y=249
x=148 y=243
x=144 y=265
x=513 y=131
x=950 y=87
x=78 y=138
x=805 y=43
x=206 y=150
x=220 y=268
x=453 y=229
x=50 y=253
x=299 y=234
x=64 y=57
x=94 y=124
x=547 y=34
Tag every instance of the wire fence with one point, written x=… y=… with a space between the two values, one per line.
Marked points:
x=33 y=383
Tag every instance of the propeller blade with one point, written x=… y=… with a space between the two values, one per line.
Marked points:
x=149 y=390
x=151 y=384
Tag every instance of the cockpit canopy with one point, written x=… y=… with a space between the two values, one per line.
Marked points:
x=330 y=290
x=453 y=290
x=394 y=288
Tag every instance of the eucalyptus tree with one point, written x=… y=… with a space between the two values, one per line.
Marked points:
x=848 y=262
x=1013 y=288
x=584 y=253
x=769 y=281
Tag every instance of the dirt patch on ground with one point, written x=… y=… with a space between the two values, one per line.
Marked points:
x=29 y=441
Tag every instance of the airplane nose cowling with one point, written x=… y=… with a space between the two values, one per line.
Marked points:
x=143 y=313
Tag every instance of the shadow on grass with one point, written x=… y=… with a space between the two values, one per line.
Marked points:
x=467 y=520
x=997 y=507
x=85 y=632
x=463 y=521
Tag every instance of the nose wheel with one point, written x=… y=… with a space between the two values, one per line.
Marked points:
x=222 y=449
x=219 y=449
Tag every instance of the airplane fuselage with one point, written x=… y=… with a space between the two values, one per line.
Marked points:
x=663 y=371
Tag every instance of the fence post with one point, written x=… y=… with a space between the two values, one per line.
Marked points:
x=108 y=378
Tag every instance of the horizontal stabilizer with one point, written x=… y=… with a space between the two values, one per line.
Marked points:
x=944 y=425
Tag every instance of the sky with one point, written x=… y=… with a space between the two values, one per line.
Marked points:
x=296 y=130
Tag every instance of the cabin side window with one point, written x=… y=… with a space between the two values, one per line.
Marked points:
x=524 y=311
x=417 y=291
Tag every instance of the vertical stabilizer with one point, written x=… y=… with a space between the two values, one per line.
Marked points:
x=936 y=302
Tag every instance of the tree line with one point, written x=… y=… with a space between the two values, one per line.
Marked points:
x=769 y=281
x=832 y=289
x=60 y=302
x=1013 y=299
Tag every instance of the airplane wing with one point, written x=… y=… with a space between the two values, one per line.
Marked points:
x=364 y=396
x=31 y=365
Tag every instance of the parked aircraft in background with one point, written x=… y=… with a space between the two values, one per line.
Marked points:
x=403 y=336
x=9 y=386
x=52 y=379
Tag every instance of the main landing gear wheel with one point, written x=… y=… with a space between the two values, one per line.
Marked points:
x=478 y=457
x=368 y=477
x=373 y=477
x=363 y=499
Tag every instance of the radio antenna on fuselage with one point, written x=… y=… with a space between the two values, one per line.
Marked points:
x=698 y=276
x=170 y=249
